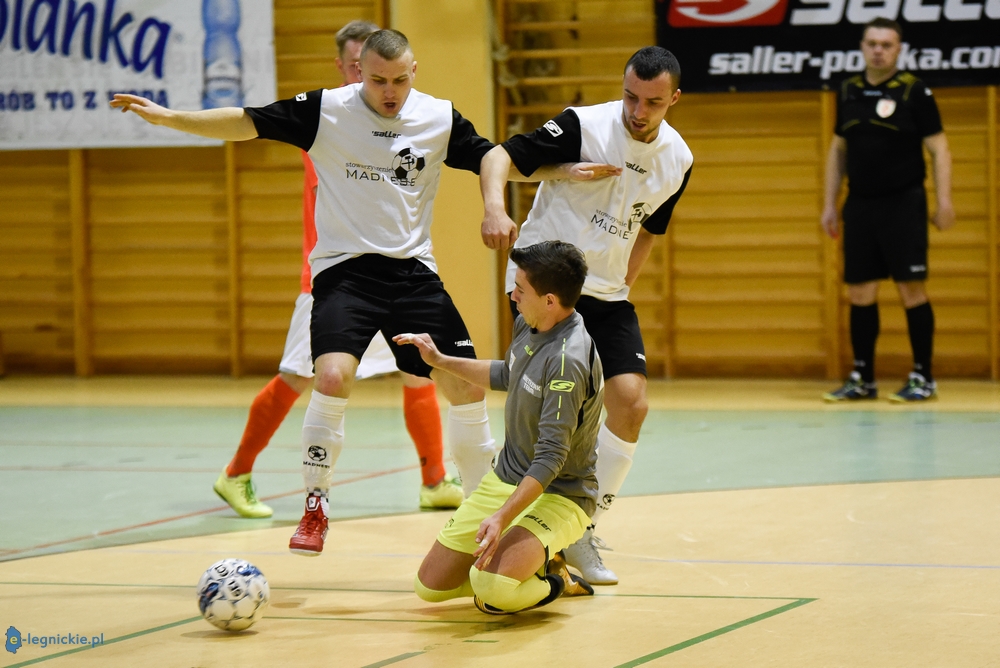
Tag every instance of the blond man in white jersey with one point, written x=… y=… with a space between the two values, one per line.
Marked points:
x=295 y=371
x=615 y=222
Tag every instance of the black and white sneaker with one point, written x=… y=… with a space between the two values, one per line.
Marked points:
x=853 y=389
x=917 y=388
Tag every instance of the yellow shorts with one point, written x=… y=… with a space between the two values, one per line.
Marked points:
x=555 y=520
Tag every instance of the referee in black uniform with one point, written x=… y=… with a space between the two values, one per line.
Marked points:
x=884 y=119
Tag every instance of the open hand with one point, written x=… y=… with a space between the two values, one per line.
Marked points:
x=591 y=171
x=147 y=109
x=488 y=538
x=428 y=351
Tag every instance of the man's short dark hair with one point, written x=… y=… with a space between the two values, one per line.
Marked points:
x=355 y=31
x=880 y=22
x=553 y=267
x=650 y=62
x=389 y=44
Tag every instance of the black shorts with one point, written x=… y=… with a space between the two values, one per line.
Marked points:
x=614 y=327
x=886 y=236
x=359 y=297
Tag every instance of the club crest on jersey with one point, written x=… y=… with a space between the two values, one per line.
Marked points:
x=640 y=212
x=406 y=165
x=885 y=107
x=553 y=128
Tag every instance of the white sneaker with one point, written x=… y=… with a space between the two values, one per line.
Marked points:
x=583 y=556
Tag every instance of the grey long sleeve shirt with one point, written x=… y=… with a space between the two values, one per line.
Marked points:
x=555 y=389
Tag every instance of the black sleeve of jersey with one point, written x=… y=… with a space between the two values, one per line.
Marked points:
x=925 y=111
x=465 y=147
x=293 y=121
x=838 y=117
x=657 y=223
x=557 y=141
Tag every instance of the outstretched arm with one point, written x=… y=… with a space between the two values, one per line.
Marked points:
x=228 y=123
x=573 y=171
x=476 y=372
x=941 y=156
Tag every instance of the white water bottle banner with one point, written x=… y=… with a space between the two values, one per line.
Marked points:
x=61 y=61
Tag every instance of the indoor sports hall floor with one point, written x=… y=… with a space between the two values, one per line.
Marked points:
x=758 y=527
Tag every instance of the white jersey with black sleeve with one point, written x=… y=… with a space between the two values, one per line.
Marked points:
x=377 y=176
x=600 y=217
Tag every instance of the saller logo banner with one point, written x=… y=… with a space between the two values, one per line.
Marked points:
x=752 y=45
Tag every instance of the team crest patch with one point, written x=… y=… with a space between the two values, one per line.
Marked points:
x=640 y=212
x=562 y=385
x=408 y=163
x=553 y=128
x=885 y=107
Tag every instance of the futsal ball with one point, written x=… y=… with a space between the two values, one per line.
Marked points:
x=233 y=594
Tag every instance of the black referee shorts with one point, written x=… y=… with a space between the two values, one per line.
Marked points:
x=614 y=327
x=359 y=297
x=886 y=236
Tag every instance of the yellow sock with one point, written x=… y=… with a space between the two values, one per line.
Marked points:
x=437 y=596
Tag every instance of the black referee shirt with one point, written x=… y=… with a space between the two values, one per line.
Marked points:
x=884 y=127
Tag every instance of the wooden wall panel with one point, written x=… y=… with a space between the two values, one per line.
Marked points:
x=192 y=256
x=158 y=225
x=36 y=283
x=958 y=258
x=270 y=212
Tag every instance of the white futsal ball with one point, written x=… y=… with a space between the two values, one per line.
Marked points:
x=233 y=594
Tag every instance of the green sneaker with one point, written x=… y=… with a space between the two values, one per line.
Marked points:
x=239 y=493
x=917 y=388
x=445 y=495
x=853 y=389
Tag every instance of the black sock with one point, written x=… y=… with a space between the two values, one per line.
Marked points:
x=864 y=332
x=920 y=320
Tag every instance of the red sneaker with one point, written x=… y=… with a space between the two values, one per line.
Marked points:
x=308 y=538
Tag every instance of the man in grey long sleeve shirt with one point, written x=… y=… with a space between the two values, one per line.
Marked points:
x=538 y=500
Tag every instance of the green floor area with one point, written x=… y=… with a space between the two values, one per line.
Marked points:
x=76 y=478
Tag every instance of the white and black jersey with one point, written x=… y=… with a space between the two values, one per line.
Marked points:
x=377 y=176
x=600 y=217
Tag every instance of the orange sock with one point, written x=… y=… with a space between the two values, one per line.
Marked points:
x=267 y=412
x=423 y=421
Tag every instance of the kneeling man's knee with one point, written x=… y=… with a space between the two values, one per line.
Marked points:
x=495 y=589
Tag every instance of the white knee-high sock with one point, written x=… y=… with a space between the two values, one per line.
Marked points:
x=322 y=440
x=614 y=459
x=470 y=443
